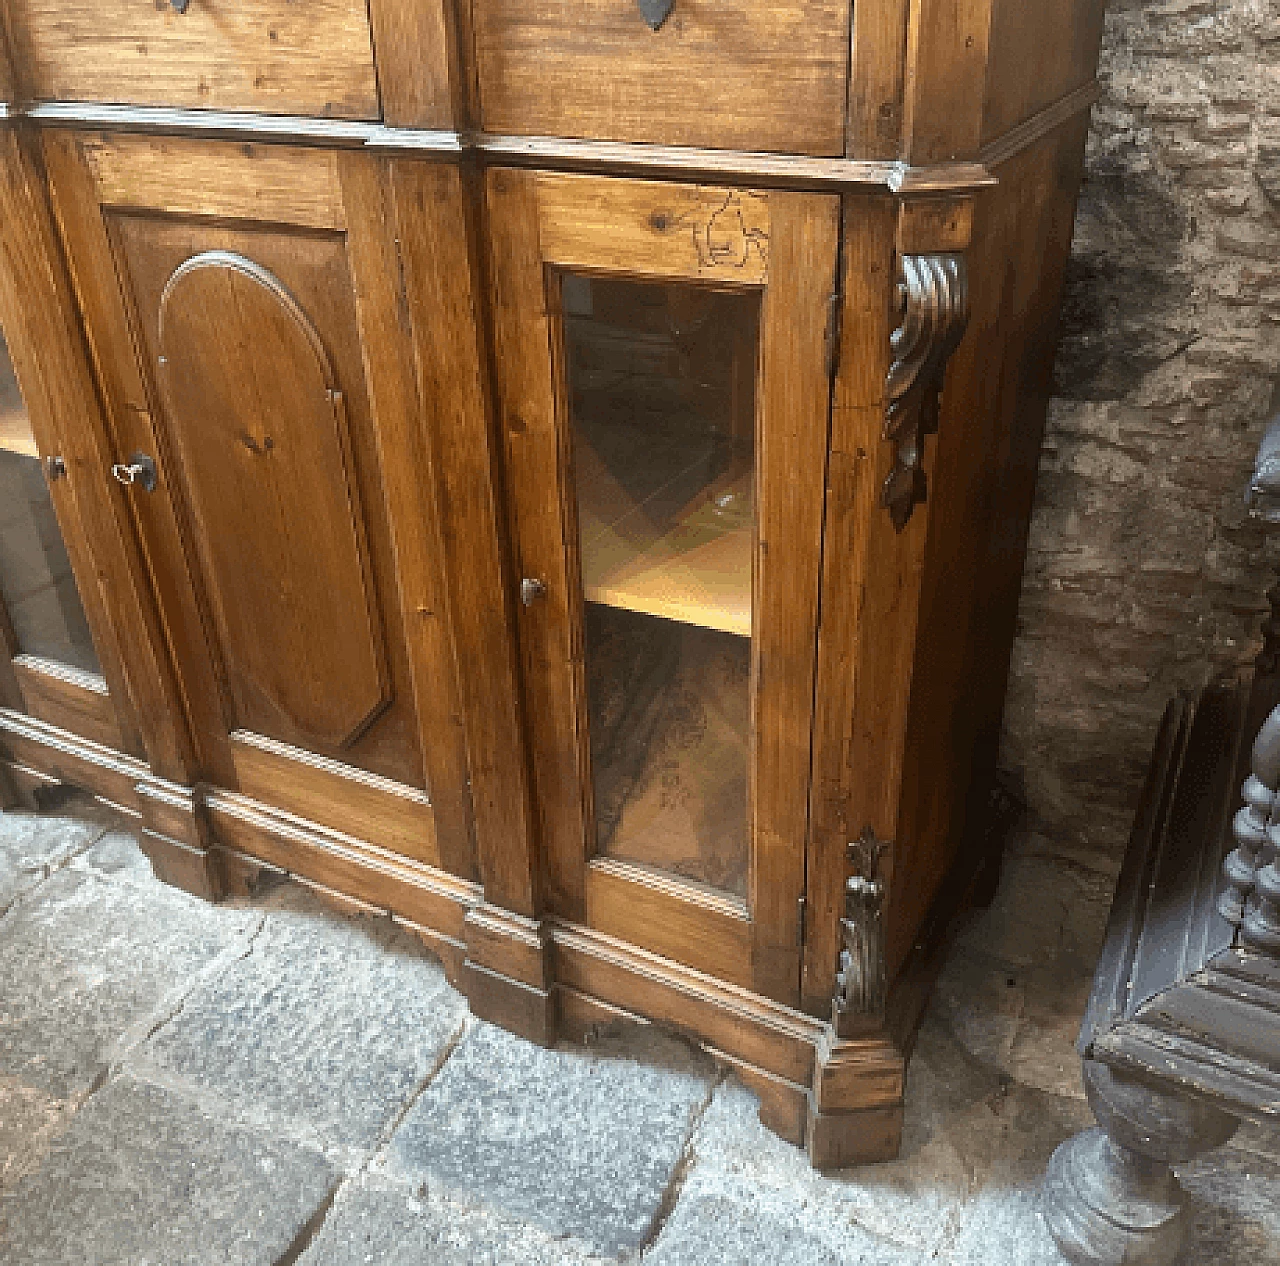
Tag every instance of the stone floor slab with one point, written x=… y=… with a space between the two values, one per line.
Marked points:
x=118 y=856
x=144 y=1178
x=727 y=1221
x=327 y=1026
x=83 y=960
x=29 y=1122
x=576 y=1141
x=375 y=1220
x=32 y=845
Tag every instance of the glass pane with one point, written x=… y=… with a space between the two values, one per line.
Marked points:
x=661 y=384
x=35 y=574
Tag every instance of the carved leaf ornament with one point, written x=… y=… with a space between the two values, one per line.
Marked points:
x=934 y=293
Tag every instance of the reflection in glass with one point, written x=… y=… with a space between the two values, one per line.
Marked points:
x=36 y=584
x=661 y=386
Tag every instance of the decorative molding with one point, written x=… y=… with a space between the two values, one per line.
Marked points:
x=554 y=153
x=861 y=982
x=1007 y=145
x=934 y=293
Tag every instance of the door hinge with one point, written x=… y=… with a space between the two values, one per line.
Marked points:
x=801 y=905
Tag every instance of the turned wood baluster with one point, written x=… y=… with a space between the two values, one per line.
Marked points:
x=1250 y=825
x=1261 y=925
x=1251 y=868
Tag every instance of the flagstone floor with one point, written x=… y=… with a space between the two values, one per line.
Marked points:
x=270 y=1082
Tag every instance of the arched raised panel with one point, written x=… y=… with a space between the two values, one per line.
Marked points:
x=258 y=422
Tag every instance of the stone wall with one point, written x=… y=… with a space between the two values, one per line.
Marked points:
x=1144 y=574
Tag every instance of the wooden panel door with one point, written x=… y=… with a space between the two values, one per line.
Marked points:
x=237 y=299
x=664 y=390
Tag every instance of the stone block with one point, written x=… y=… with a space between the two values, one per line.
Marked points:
x=327 y=1026
x=143 y=1177
x=84 y=961
x=576 y=1141
x=375 y=1219
x=33 y=845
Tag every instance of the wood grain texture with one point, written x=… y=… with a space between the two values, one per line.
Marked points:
x=268 y=55
x=260 y=430
x=216 y=178
x=442 y=269
x=1036 y=55
x=877 y=75
x=700 y=929
x=361 y=805
x=347 y=514
x=426 y=896
x=731 y=1019
x=42 y=326
x=61 y=756
x=415 y=62
x=946 y=70
x=869 y=574
x=719 y=73
x=70 y=699
x=538 y=220
x=792 y=436
x=644 y=228
x=409 y=486
x=982 y=486
x=126 y=428
x=527 y=418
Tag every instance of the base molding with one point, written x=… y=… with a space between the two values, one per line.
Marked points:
x=545 y=980
x=176 y=838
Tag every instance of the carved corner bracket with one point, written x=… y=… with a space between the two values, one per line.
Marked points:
x=933 y=291
x=860 y=980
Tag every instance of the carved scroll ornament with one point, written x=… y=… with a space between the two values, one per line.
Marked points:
x=934 y=294
x=861 y=980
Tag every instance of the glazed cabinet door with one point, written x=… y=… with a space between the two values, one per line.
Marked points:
x=242 y=305
x=57 y=648
x=664 y=387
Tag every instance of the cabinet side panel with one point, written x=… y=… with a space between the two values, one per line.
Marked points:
x=981 y=490
x=1037 y=53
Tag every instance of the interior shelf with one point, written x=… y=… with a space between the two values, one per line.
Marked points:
x=670 y=554
x=15 y=433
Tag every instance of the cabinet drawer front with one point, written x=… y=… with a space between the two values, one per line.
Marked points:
x=727 y=74
x=275 y=56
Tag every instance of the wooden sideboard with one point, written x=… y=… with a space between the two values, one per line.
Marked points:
x=556 y=473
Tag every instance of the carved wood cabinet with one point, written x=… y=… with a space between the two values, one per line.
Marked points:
x=556 y=473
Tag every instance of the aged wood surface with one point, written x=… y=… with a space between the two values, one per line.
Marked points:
x=300 y=463
x=868 y=574
x=541 y=68
x=442 y=279
x=982 y=483
x=877 y=80
x=269 y=55
x=235 y=182
x=415 y=61
x=408 y=480
x=70 y=699
x=945 y=79
x=340 y=797
x=45 y=338
x=1037 y=54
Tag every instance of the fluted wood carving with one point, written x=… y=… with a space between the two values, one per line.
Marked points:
x=934 y=293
